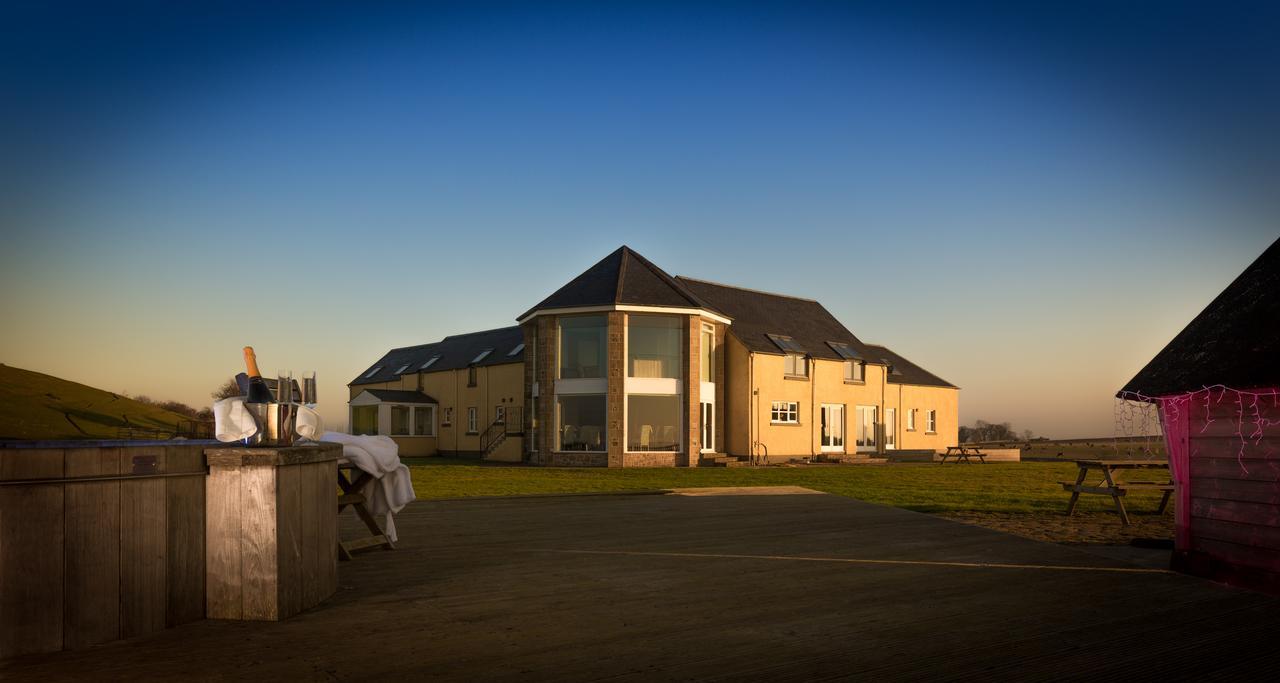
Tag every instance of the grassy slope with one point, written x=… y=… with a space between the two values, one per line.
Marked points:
x=996 y=487
x=37 y=406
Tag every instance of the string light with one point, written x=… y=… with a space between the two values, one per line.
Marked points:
x=1170 y=410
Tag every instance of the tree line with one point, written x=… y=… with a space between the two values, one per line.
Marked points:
x=983 y=431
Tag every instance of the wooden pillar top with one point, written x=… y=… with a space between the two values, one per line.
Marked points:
x=272 y=456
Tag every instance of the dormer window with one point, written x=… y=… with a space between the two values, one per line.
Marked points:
x=402 y=368
x=483 y=354
x=430 y=361
x=373 y=372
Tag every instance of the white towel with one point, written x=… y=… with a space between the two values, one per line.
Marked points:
x=380 y=457
x=309 y=425
x=232 y=421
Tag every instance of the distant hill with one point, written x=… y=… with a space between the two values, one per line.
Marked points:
x=38 y=406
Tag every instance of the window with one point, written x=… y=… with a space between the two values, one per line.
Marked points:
x=482 y=355
x=787 y=344
x=708 y=353
x=472 y=428
x=532 y=441
x=653 y=422
x=364 y=420
x=582 y=346
x=653 y=346
x=911 y=419
x=424 y=421
x=399 y=420
x=402 y=368
x=373 y=372
x=854 y=371
x=471 y=376
x=785 y=412
x=448 y=417
x=500 y=414
x=581 y=422
x=843 y=350
x=430 y=361
x=795 y=365
x=516 y=351
x=931 y=421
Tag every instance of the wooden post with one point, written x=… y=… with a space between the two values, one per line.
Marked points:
x=271 y=530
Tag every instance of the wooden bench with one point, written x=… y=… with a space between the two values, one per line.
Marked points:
x=1117 y=490
x=353 y=480
x=963 y=453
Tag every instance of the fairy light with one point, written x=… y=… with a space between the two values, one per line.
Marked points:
x=1170 y=411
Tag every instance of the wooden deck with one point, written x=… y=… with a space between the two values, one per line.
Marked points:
x=779 y=587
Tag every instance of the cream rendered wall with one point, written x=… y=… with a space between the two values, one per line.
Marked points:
x=782 y=440
x=946 y=401
x=495 y=385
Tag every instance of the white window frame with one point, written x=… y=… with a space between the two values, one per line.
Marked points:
x=911 y=419
x=447 y=419
x=804 y=364
x=408 y=424
x=431 y=421
x=788 y=410
x=473 y=421
x=855 y=371
x=931 y=422
x=500 y=414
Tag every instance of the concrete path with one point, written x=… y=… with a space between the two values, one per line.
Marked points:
x=720 y=587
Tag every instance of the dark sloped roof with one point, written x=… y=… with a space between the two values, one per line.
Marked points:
x=1235 y=341
x=399 y=396
x=623 y=277
x=456 y=351
x=906 y=372
x=756 y=315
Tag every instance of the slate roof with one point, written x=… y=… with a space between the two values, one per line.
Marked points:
x=1235 y=341
x=456 y=351
x=756 y=315
x=623 y=277
x=399 y=396
x=906 y=372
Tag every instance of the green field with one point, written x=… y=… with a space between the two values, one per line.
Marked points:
x=996 y=487
x=38 y=406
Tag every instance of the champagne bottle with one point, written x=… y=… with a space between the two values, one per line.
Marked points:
x=258 y=390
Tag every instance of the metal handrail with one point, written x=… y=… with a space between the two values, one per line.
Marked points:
x=487 y=438
x=756 y=458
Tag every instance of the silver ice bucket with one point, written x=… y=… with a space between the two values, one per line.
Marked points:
x=276 y=424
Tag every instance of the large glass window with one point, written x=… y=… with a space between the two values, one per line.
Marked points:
x=364 y=420
x=653 y=346
x=582 y=346
x=424 y=421
x=400 y=420
x=708 y=353
x=581 y=422
x=653 y=423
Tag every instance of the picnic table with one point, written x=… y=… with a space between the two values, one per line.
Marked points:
x=964 y=453
x=1117 y=489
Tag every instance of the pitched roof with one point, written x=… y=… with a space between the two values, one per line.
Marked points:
x=399 y=396
x=905 y=372
x=1235 y=341
x=455 y=351
x=756 y=315
x=623 y=277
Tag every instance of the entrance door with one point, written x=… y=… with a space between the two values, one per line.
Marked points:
x=708 y=427
x=890 y=428
x=832 y=428
x=866 y=428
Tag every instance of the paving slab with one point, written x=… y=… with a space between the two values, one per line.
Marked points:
x=718 y=587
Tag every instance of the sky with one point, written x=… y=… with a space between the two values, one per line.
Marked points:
x=1028 y=199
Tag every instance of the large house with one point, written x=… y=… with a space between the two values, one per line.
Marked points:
x=627 y=366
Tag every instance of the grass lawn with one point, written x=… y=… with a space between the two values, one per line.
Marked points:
x=1028 y=487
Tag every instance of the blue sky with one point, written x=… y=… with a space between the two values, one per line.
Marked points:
x=1028 y=201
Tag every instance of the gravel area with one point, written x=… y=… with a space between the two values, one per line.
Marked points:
x=1081 y=528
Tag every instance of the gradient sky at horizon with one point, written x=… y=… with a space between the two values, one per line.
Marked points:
x=1028 y=201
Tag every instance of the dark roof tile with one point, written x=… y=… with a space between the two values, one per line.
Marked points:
x=623 y=277
x=456 y=351
x=400 y=396
x=1235 y=341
